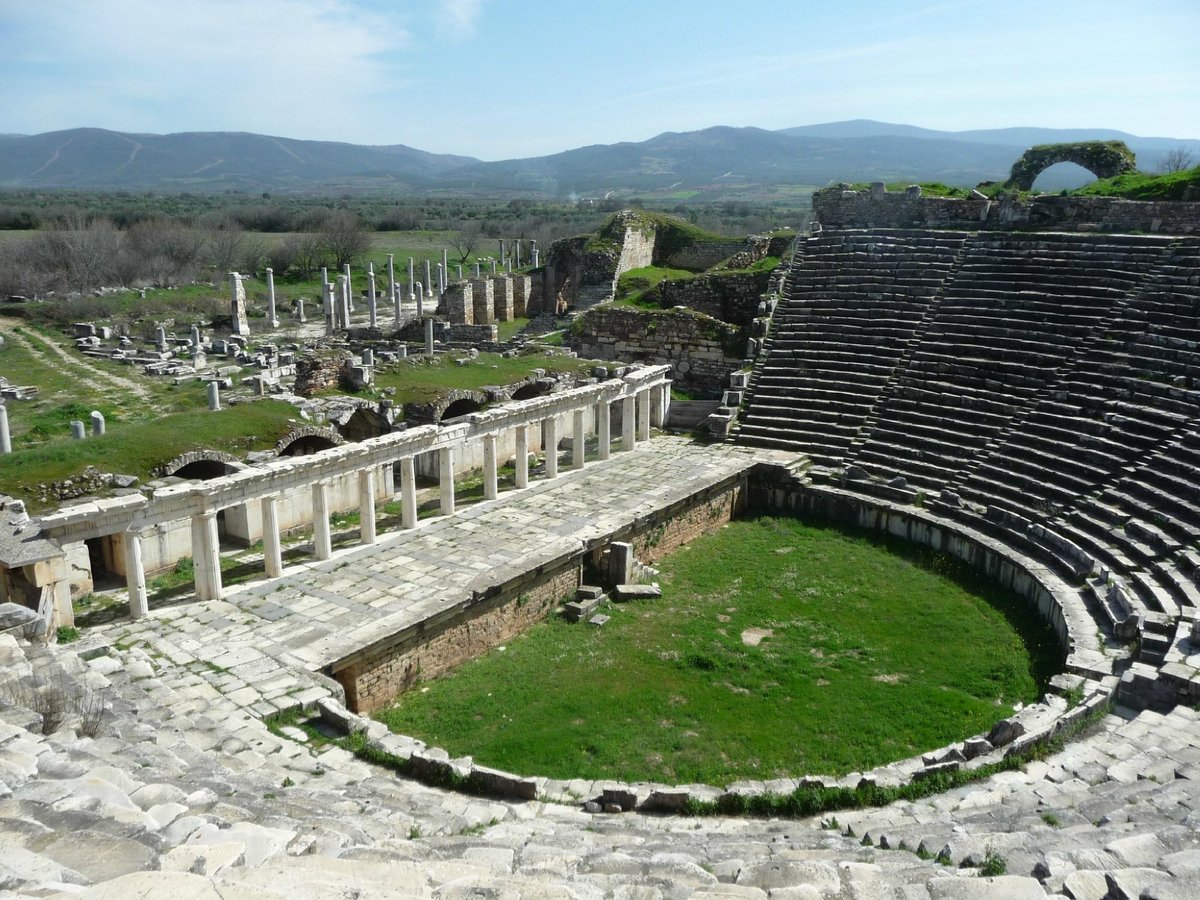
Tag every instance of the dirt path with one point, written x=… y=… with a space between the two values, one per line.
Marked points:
x=76 y=364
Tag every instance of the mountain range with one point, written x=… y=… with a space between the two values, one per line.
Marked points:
x=712 y=161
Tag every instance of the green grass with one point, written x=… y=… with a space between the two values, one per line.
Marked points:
x=634 y=285
x=1141 y=186
x=138 y=448
x=878 y=651
x=417 y=380
x=508 y=330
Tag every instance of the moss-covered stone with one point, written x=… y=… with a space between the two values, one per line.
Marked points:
x=1104 y=159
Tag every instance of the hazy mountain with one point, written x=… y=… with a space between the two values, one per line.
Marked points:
x=730 y=156
x=717 y=161
x=1149 y=150
x=96 y=158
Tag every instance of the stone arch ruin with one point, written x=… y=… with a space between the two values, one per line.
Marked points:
x=306 y=440
x=201 y=464
x=1104 y=159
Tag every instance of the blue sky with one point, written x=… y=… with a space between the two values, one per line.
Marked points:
x=507 y=78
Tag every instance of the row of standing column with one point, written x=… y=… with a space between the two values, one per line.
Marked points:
x=635 y=427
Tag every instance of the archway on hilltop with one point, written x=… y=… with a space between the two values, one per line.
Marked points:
x=1104 y=159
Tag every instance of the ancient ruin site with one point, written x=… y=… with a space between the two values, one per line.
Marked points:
x=857 y=558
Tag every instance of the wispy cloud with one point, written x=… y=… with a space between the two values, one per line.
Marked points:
x=148 y=65
x=459 y=18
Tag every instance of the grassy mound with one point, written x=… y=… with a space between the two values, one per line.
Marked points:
x=778 y=648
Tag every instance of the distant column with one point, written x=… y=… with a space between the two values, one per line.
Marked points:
x=429 y=337
x=322 y=539
x=521 y=460
x=628 y=422
x=135 y=576
x=271 y=317
x=446 y=479
x=643 y=415
x=391 y=270
x=237 y=304
x=78 y=432
x=491 y=490
x=428 y=281
x=578 y=439
x=550 y=445
x=445 y=268
x=501 y=251
x=664 y=405
x=372 y=311
x=97 y=418
x=603 y=428
x=327 y=307
x=366 y=505
x=5 y=437
x=408 y=492
x=272 y=548
x=349 y=289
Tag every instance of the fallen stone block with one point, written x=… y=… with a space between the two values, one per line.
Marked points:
x=624 y=592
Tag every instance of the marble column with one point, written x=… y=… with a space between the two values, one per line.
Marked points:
x=664 y=405
x=387 y=473
x=391 y=270
x=206 y=556
x=349 y=289
x=322 y=539
x=578 y=439
x=5 y=438
x=604 y=428
x=550 y=445
x=428 y=281
x=408 y=492
x=521 y=459
x=446 y=480
x=491 y=489
x=643 y=415
x=272 y=547
x=135 y=576
x=272 y=318
x=366 y=505
x=372 y=297
x=628 y=422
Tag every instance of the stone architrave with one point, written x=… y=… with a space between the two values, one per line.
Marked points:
x=237 y=304
x=271 y=317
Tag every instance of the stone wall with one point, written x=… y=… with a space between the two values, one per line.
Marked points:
x=318 y=373
x=701 y=255
x=878 y=208
x=374 y=679
x=702 y=350
x=729 y=296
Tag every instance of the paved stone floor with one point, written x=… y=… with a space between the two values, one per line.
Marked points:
x=321 y=610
